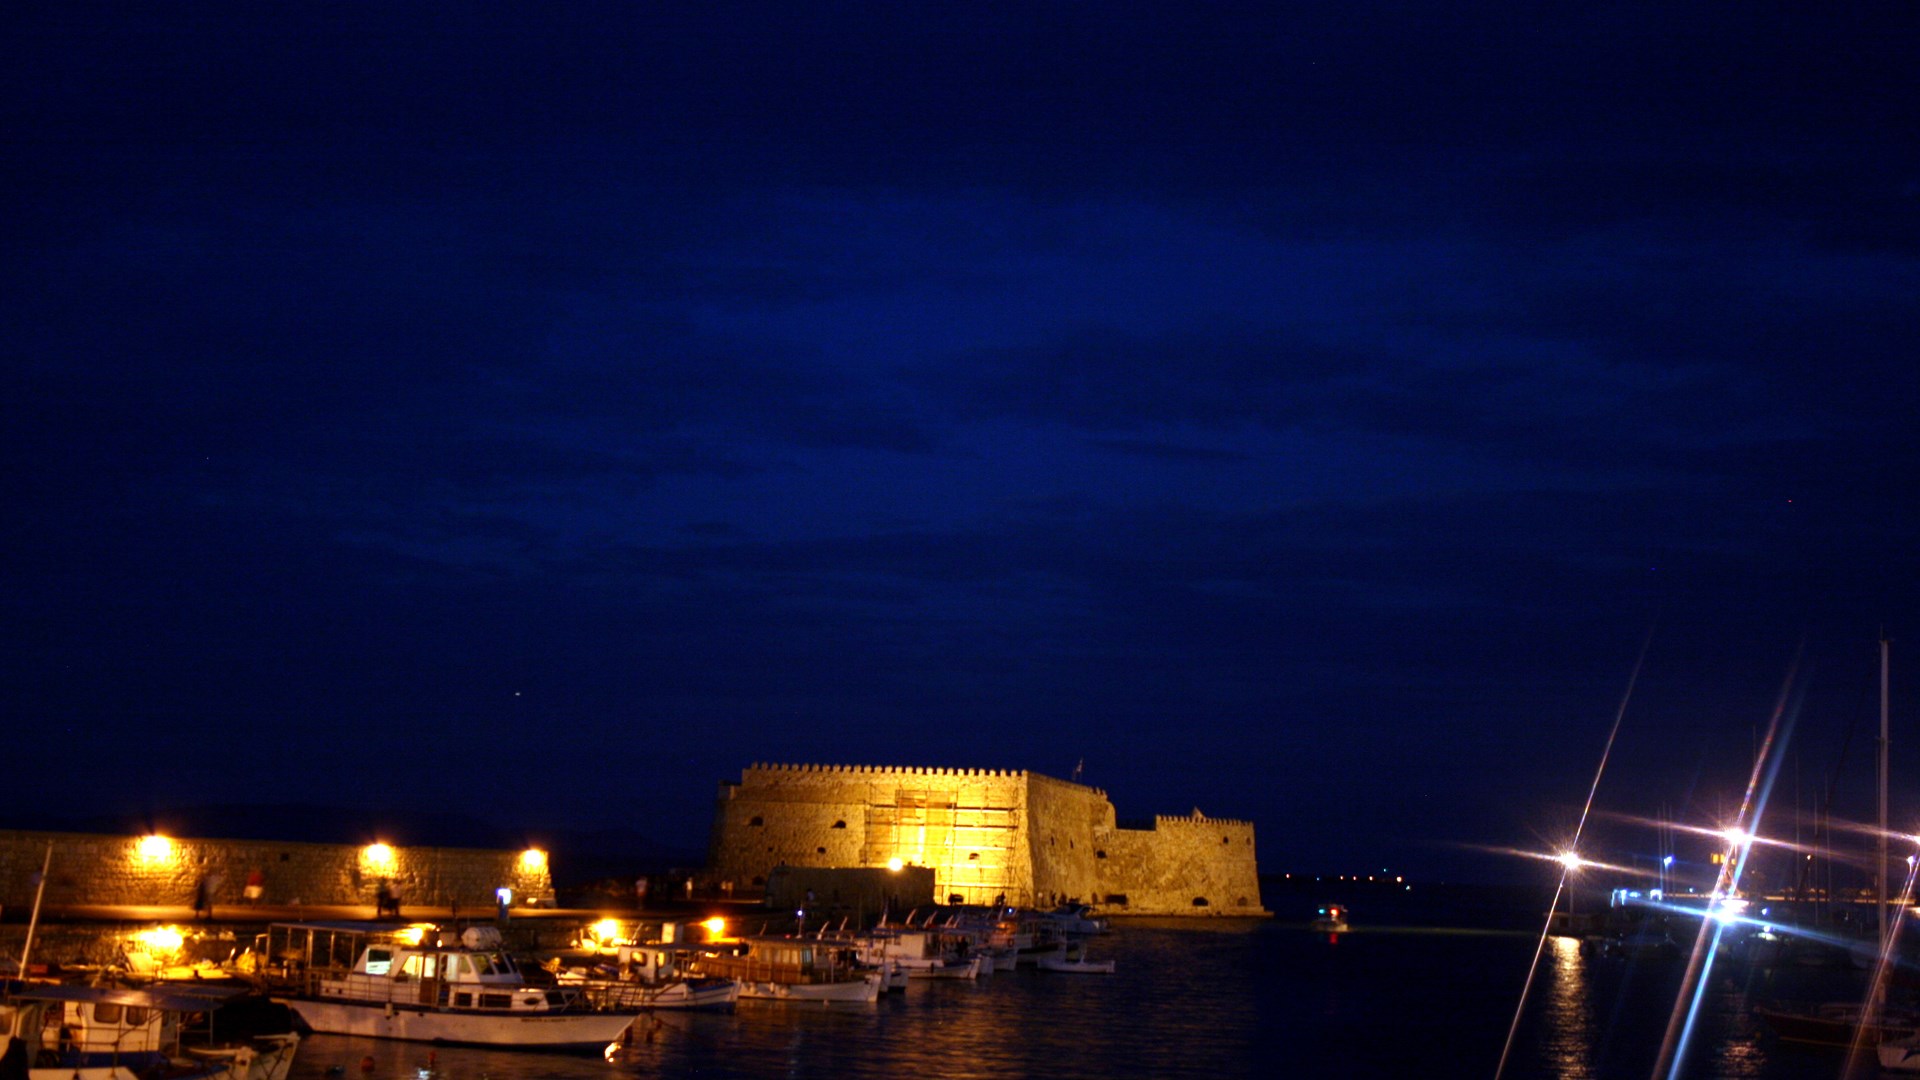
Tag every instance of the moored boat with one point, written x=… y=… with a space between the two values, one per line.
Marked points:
x=424 y=985
x=652 y=975
x=796 y=969
x=53 y=1032
x=1074 y=961
x=1839 y=1023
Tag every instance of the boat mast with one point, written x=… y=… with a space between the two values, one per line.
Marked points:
x=33 y=921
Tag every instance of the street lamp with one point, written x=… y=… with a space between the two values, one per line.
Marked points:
x=1572 y=862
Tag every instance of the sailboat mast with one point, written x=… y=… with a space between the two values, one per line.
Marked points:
x=33 y=920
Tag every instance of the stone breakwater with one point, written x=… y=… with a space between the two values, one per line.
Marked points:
x=91 y=869
x=989 y=835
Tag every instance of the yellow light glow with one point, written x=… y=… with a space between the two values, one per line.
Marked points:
x=155 y=848
x=377 y=855
x=896 y=863
x=715 y=926
x=414 y=933
x=161 y=940
x=606 y=930
x=533 y=860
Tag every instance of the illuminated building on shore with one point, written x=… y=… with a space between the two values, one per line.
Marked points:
x=987 y=834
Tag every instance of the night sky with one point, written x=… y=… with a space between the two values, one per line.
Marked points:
x=1302 y=412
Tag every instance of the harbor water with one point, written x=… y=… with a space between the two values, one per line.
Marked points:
x=1205 y=998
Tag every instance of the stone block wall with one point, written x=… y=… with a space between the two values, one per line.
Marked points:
x=987 y=834
x=1066 y=824
x=965 y=824
x=96 y=869
x=1183 y=865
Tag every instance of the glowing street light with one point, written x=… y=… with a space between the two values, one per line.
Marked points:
x=1571 y=860
x=155 y=848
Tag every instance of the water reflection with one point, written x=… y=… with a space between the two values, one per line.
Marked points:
x=1214 y=1000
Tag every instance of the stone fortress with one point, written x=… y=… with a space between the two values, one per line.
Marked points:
x=988 y=835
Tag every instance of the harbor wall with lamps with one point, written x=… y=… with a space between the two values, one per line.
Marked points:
x=168 y=871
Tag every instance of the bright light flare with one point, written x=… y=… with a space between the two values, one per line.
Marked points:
x=533 y=860
x=1572 y=861
x=894 y=864
x=716 y=926
x=161 y=941
x=377 y=855
x=155 y=848
x=413 y=934
x=607 y=930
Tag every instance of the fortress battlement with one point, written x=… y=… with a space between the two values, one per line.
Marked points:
x=989 y=835
x=885 y=770
x=1198 y=820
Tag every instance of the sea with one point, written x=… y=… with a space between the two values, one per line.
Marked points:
x=1409 y=991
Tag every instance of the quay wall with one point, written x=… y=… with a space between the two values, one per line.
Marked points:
x=118 y=870
x=988 y=835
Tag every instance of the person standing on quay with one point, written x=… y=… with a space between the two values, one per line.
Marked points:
x=256 y=886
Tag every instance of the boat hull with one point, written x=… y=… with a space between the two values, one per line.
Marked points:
x=584 y=1032
x=863 y=990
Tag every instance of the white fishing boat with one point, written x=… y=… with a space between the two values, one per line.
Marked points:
x=424 y=985
x=796 y=969
x=923 y=952
x=51 y=1032
x=651 y=975
x=1073 y=961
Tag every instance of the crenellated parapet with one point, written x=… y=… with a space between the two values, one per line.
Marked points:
x=856 y=772
x=1197 y=820
x=988 y=835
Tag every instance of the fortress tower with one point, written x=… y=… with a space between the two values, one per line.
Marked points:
x=987 y=834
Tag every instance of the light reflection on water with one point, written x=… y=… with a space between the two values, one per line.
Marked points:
x=1223 y=998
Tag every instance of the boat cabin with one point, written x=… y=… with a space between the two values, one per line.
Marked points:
x=418 y=965
x=75 y=1027
x=794 y=961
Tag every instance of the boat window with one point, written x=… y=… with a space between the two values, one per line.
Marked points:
x=466 y=965
x=556 y=998
x=136 y=1015
x=106 y=1013
x=463 y=1001
x=420 y=967
x=496 y=1001
x=379 y=961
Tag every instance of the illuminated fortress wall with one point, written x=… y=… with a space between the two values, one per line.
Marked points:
x=95 y=869
x=985 y=833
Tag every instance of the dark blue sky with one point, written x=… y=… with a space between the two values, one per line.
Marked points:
x=1298 y=411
